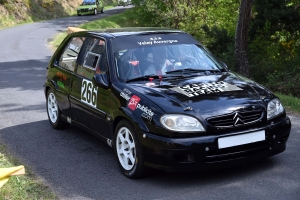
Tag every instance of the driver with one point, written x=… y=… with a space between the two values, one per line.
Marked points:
x=160 y=62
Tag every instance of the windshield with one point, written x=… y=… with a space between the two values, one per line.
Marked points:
x=164 y=60
x=88 y=2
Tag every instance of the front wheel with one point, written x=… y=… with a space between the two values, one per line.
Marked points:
x=95 y=12
x=53 y=111
x=128 y=150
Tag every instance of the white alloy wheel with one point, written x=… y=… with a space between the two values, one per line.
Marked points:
x=52 y=108
x=125 y=146
x=95 y=12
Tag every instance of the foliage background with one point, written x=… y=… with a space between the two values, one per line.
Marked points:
x=274 y=37
x=14 y=12
x=273 y=43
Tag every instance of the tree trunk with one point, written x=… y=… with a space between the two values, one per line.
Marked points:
x=241 y=36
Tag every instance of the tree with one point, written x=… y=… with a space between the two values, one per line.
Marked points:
x=241 y=37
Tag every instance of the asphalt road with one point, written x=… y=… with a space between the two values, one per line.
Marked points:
x=77 y=165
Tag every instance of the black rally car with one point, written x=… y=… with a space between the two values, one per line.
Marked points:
x=161 y=100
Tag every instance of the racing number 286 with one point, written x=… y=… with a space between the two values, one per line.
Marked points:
x=89 y=93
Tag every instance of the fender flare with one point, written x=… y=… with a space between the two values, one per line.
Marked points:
x=137 y=122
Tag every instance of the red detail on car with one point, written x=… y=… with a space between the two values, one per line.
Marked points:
x=134 y=62
x=133 y=102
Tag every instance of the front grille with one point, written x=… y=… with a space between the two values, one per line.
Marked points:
x=236 y=119
x=84 y=10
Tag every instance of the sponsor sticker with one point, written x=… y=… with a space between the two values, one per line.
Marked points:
x=125 y=96
x=197 y=89
x=133 y=102
x=147 y=112
x=127 y=91
x=89 y=93
x=61 y=84
x=156 y=40
x=61 y=76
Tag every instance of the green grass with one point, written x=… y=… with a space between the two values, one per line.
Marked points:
x=26 y=186
x=115 y=21
x=57 y=40
x=289 y=102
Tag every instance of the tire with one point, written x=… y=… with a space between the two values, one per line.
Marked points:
x=128 y=150
x=53 y=111
x=95 y=12
x=102 y=10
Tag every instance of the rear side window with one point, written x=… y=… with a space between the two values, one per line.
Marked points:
x=70 y=54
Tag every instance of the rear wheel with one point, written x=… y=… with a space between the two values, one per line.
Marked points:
x=54 y=113
x=128 y=150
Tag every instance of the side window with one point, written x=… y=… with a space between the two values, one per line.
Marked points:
x=93 y=58
x=70 y=54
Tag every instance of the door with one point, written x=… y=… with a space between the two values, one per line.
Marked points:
x=88 y=101
x=63 y=73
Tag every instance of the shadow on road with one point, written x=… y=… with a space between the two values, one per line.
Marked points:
x=23 y=74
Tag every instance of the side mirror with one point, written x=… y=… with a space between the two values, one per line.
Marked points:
x=224 y=65
x=101 y=80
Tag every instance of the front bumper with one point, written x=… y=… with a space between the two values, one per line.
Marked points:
x=85 y=12
x=203 y=153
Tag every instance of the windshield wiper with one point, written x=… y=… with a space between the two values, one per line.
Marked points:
x=193 y=70
x=154 y=76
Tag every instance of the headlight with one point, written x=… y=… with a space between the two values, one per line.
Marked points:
x=181 y=123
x=91 y=8
x=274 y=108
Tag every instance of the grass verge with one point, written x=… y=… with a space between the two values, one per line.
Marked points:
x=290 y=102
x=115 y=21
x=26 y=186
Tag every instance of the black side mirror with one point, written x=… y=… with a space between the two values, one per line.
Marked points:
x=224 y=65
x=101 y=80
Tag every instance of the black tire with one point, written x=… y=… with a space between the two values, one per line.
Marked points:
x=102 y=10
x=125 y=141
x=53 y=111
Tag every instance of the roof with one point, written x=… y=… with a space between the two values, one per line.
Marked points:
x=117 y=32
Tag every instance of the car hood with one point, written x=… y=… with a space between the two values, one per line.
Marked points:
x=208 y=96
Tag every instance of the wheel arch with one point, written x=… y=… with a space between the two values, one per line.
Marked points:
x=136 y=122
x=50 y=85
